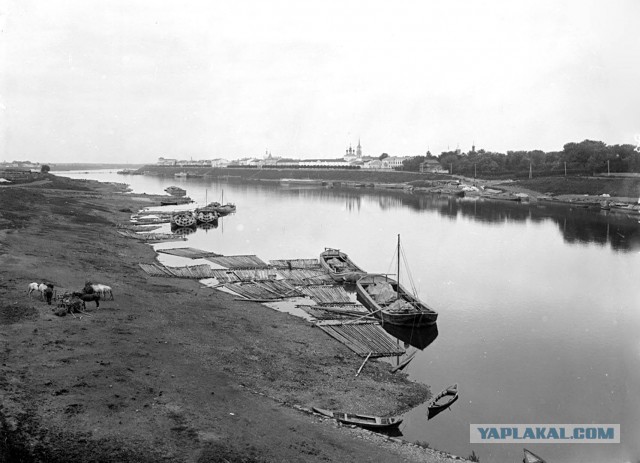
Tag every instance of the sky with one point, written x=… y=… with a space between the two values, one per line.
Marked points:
x=131 y=81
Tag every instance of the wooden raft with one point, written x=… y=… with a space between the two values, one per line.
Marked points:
x=195 y=271
x=151 y=236
x=249 y=261
x=295 y=263
x=135 y=227
x=326 y=294
x=305 y=277
x=336 y=312
x=363 y=338
x=191 y=253
x=262 y=290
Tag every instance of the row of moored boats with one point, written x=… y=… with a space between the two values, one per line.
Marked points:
x=203 y=215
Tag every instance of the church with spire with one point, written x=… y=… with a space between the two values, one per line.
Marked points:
x=353 y=155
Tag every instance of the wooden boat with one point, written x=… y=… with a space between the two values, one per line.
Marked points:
x=175 y=201
x=206 y=215
x=530 y=457
x=364 y=421
x=183 y=219
x=442 y=401
x=175 y=191
x=224 y=209
x=388 y=300
x=392 y=303
x=340 y=267
x=180 y=174
x=501 y=197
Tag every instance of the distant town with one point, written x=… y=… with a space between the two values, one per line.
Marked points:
x=352 y=159
x=581 y=158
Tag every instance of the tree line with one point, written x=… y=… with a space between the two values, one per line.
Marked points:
x=586 y=158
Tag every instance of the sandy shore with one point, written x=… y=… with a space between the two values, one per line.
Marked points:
x=170 y=370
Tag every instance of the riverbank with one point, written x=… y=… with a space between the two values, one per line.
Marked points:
x=563 y=189
x=170 y=370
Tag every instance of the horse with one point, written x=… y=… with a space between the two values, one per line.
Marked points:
x=103 y=290
x=37 y=287
x=88 y=298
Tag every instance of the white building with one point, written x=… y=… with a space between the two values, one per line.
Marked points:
x=167 y=162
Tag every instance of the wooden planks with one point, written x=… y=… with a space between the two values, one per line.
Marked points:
x=191 y=253
x=255 y=274
x=151 y=236
x=326 y=294
x=304 y=277
x=195 y=271
x=336 y=312
x=248 y=261
x=261 y=290
x=363 y=338
x=295 y=263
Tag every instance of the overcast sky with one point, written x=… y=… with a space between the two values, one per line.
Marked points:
x=130 y=81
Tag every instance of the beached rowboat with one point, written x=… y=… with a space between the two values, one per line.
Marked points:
x=340 y=267
x=365 y=421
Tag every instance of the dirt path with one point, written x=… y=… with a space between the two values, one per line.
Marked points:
x=170 y=370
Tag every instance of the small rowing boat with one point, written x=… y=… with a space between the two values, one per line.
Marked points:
x=365 y=421
x=442 y=401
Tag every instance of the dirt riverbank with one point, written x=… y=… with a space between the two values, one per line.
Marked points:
x=170 y=370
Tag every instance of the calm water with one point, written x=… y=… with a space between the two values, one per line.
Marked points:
x=539 y=306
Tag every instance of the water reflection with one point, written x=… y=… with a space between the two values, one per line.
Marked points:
x=577 y=225
x=208 y=226
x=183 y=231
x=420 y=338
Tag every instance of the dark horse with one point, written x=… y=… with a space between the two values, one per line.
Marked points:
x=88 y=298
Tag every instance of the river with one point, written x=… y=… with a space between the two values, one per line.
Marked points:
x=539 y=305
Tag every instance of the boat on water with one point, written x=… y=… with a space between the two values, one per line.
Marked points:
x=183 y=219
x=222 y=209
x=175 y=191
x=301 y=181
x=442 y=401
x=389 y=301
x=175 y=201
x=206 y=215
x=364 y=421
x=181 y=175
x=340 y=267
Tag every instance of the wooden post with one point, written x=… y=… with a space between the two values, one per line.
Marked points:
x=565 y=169
x=365 y=361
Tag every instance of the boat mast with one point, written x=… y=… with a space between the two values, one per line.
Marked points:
x=398 y=285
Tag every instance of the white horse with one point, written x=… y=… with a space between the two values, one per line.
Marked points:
x=37 y=287
x=103 y=291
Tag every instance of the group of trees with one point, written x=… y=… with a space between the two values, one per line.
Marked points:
x=586 y=157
